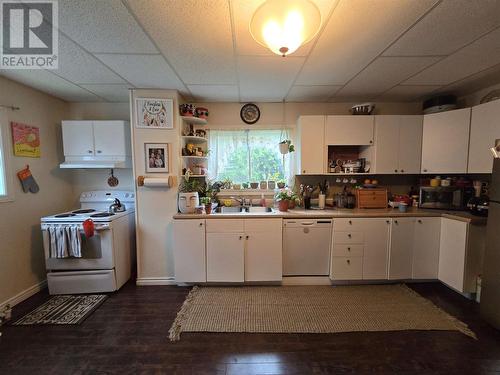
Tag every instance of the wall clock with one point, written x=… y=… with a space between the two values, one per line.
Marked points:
x=250 y=113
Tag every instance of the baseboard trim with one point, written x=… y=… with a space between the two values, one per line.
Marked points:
x=306 y=280
x=145 y=281
x=24 y=295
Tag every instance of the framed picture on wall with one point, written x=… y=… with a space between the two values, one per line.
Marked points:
x=157 y=157
x=154 y=113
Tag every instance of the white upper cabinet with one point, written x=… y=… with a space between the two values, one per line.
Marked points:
x=485 y=128
x=349 y=130
x=311 y=150
x=445 y=142
x=96 y=138
x=398 y=144
x=78 y=138
x=111 y=138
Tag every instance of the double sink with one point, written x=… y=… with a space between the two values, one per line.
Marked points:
x=240 y=209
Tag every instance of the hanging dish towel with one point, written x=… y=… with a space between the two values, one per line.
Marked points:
x=65 y=241
x=74 y=241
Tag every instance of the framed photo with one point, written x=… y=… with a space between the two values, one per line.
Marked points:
x=157 y=157
x=154 y=113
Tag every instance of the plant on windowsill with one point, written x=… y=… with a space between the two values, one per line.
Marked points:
x=284 y=197
x=286 y=146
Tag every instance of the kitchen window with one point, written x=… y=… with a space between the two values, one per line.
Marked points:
x=247 y=156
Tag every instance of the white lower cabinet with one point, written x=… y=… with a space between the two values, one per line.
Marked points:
x=401 y=253
x=426 y=248
x=225 y=257
x=189 y=251
x=244 y=250
x=360 y=249
x=263 y=253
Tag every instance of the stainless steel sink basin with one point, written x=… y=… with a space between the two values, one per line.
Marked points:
x=229 y=210
x=260 y=209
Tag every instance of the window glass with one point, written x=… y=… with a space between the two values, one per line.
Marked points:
x=247 y=156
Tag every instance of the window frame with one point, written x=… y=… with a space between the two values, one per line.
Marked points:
x=290 y=163
x=6 y=151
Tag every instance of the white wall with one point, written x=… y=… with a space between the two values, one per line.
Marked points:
x=96 y=179
x=475 y=98
x=21 y=251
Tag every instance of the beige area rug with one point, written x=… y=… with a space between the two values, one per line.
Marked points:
x=310 y=309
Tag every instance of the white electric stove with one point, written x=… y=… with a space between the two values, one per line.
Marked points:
x=107 y=257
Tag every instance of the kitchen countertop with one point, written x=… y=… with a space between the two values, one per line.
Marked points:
x=298 y=213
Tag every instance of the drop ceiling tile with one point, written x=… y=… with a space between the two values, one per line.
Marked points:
x=264 y=78
x=482 y=54
x=448 y=27
x=51 y=84
x=78 y=66
x=195 y=37
x=384 y=73
x=407 y=93
x=358 y=32
x=111 y=93
x=242 y=11
x=214 y=93
x=143 y=71
x=103 y=26
x=311 y=93
x=475 y=82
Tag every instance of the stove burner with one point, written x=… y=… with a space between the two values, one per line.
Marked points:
x=65 y=215
x=84 y=211
x=102 y=214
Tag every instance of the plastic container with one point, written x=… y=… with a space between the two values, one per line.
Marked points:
x=403 y=207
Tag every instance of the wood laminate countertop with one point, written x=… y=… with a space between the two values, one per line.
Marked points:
x=299 y=213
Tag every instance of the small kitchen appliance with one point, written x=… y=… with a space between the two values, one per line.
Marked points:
x=106 y=256
x=442 y=197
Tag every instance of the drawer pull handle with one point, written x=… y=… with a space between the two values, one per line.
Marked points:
x=387 y=221
x=247 y=237
x=396 y=170
x=349 y=235
x=348 y=249
x=241 y=237
x=420 y=221
x=348 y=261
x=350 y=222
x=201 y=224
x=396 y=221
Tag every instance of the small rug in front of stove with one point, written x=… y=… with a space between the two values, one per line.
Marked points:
x=64 y=309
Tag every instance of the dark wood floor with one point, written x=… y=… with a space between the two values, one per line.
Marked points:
x=128 y=335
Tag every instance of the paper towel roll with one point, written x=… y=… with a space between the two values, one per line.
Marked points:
x=156 y=182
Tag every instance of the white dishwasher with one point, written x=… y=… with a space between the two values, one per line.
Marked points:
x=306 y=247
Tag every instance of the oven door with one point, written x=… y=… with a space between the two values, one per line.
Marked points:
x=97 y=251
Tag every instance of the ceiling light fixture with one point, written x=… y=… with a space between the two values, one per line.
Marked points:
x=284 y=25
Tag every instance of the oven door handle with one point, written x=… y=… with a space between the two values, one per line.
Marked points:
x=98 y=228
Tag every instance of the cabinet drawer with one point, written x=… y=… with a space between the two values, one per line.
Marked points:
x=347 y=250
x=225 y=226
x=347 y=225
x=263 y=225
x=347 y=268
x=348 y=237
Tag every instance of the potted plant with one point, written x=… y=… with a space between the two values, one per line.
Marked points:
x=286 y=146
x=207 y=202
x=188 y=195
x=284 y=197
x=208 y=192
x=281 y=184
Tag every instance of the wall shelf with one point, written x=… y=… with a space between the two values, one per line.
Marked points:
x=194 y=139
x=194 y=120
x=195 y=157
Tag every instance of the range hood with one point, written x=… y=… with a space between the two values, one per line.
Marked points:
x=96 y=162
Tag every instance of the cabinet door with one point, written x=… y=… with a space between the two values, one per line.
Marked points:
x=263 y=261
x=311 y=151
x=445 y=142
x=386 y=144
x=484 y=130
x=401 y=254
x=349 y=130
x=111 y=138
x=346 y=268
x=452 y=250
x=426 y=248
x=78 y=138
x=410 y=144
x=189 y=251
x=225 y=257
x=375 y=256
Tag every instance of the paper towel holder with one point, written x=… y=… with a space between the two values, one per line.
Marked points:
x=172 y=181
